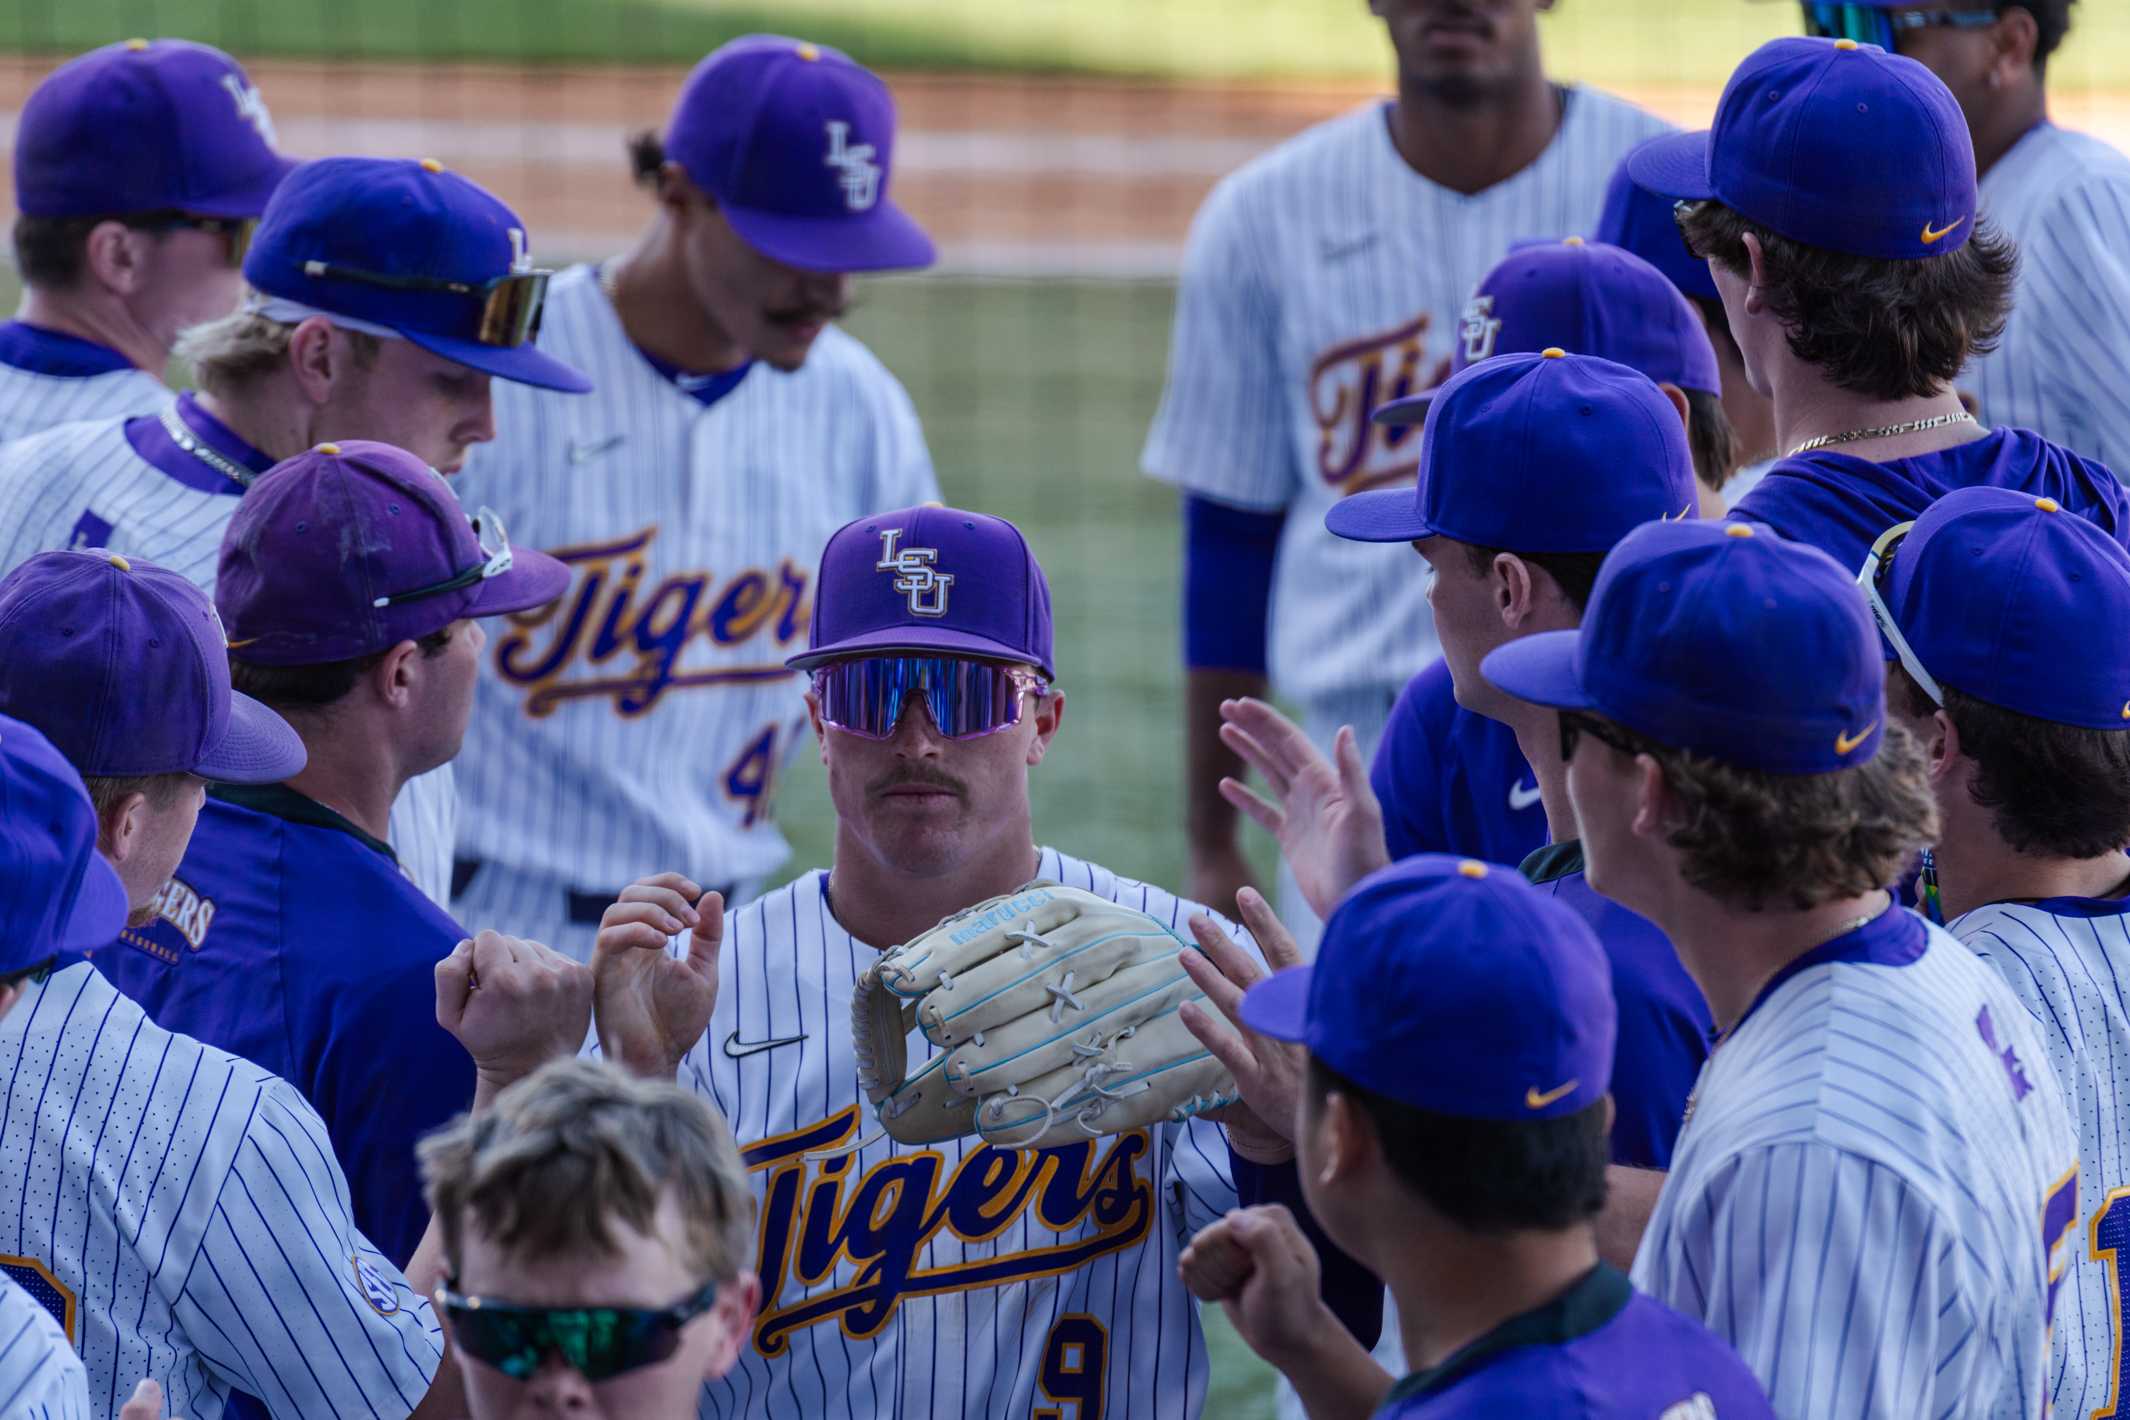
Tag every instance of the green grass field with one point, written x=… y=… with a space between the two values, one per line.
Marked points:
x=1606 y=41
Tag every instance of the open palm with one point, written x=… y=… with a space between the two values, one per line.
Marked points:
x=1325 y=815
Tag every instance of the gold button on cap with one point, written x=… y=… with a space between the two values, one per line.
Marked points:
x=1845 y=44
x=119 y=562
x=1553 y=352
x=2048 y=505
x=136 y=45
x=809 y=53
x=1736 y=530
x=327 y=449
x=431 y=165
x=1472 y=868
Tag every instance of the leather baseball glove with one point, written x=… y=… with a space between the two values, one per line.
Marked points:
x=1053 y=1016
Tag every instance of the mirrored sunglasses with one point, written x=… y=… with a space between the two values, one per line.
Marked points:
x=1878 y=564
x=596 y=1342
x=510 y=304
x=966 y=698
x=495 y=561
x=1868 y=24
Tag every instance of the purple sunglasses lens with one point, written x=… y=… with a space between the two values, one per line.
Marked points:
x=965 y=698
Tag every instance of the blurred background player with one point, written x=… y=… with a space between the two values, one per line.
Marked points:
x=140 y=169
x=1877 y=1106
x=1452 y=1137
x=1321 y=281
x=1053 y=1297
x=295 y=941
x=1995 y=603
x=1451 y=780
x=81 y=634
x=385 y=294
x=2061 y=195
x=1858 y=280
x=736 y=427
x=1638 y=220
x=597 y=1232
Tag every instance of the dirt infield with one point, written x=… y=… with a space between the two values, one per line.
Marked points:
x=1013 y=174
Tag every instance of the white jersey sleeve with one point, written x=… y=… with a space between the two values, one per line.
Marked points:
x=32 y=402
x=1221 y=430
x=40 y=1376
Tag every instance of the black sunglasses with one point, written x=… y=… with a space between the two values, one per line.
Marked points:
x=595 y=1342
x=235 y=232
x=31 y=975
x=1574 y=726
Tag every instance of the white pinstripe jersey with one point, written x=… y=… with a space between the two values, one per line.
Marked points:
x=953 y=1280
x=1322 y=280
x=2064 y=361
x=651 y=699
x=1874 y=1187
x=85 y=485
x=2068 y=960
x=181 y=1210
x=40 y=1376
x=34 y=399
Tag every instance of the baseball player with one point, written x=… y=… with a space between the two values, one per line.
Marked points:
x=1451 y=780
x=178 y=1210
x=1452 y=1135
x=735 y=428
x=289 y=935
x=2061 y=195
x=1994 y=602
x=385 y=294
x=959 y=1278
x=1322 y=280
x=140 y=169
x=581 y=1184
x=1835 y=202
x=1878 y=1177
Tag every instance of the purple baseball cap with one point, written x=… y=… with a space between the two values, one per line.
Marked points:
x=1584 y=297
x=929 y=579
x=124 y=667
x=1456 y=988
x=1832 y=143
x=146 y=126
x=1719 y=638
x=1537 y=453
x=353 y=548
x=57 y=894
x=794 y=141
x=1641 y=221
x=397 y=247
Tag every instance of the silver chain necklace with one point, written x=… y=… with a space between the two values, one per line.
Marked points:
x=1883 y=431
x=184 y=438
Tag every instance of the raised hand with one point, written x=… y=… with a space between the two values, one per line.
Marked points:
x=652 y=1006
x=1267 y=1071
x=1325 y=815
x=514 y=1005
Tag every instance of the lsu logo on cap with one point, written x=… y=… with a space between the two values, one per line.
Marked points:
x=859 y=174
x=1478 y=329
x=251 y=106
x=916 y=577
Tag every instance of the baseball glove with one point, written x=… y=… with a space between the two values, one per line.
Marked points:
x=1053 y=1015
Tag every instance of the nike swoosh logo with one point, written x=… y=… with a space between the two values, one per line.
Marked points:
x=1933 y=235
x=739 y=1049
x=1333 y=249
x=1845 y=743
x=1521 y=798
x=1534 y=1100
x=587 y=450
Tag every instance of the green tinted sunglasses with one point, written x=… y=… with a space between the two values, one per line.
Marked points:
x=596 y=1342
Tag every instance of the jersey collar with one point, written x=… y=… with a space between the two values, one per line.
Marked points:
x=153 y=442
x=1582 y=1309
x=51 y=352
x=281 y=802
x=1896 y=937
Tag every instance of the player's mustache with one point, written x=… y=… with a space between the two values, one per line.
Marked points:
x=929 y=778
x=811 y=315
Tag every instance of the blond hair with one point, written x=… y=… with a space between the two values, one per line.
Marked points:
x=228 y=355
x=578 y=1146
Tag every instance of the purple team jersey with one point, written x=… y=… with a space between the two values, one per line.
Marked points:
x=1601 y=1351
x=1840 y=504
x=1451 y=781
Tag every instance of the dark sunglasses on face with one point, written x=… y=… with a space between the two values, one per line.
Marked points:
x=235 y=232
x=1575 y=726
x=596 y=1342
x=1868 y=24
x=31 y=975
x=967 y=698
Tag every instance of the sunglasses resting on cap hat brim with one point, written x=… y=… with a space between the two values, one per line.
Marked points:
x=534 y=580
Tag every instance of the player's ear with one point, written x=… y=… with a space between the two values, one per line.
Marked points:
x=733 y=1315
x=1655 y=806
x=312 y=358
x=1942 y=742
x=677 y=191
x=392 y=678
x=1756 y=259
x=1048 y=714
x=1677 y=397
x=118 y=827
x=813 y=716
x=2013 y=40
x=1515 y=591
x=113 y=254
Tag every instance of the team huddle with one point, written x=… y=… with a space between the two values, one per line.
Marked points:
x=1694 y=984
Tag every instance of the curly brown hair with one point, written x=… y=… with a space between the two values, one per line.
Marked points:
x=1794 y=841
x=1882 y=328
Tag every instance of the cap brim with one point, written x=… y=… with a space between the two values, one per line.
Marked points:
x=248 y=198
x=912 y=638
x=1540 y=669
x=1380 y=515
x=883 y=239
x=1405 y=413
x=534 y=579
x=258 y=747
x=97 y=914
x=1674 y=166
x=521 y=364
x=1278 y=1006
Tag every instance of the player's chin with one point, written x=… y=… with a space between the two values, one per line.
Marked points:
x=785 y=346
